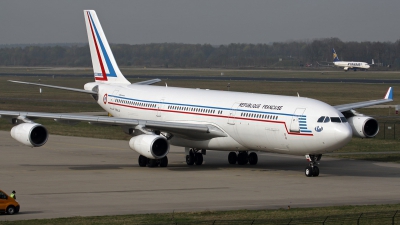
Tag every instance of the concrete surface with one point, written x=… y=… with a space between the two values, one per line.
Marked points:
x=72 y=176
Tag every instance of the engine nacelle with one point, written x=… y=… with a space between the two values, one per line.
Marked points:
x=30 y=134
x=150 y=145
x=364 y=126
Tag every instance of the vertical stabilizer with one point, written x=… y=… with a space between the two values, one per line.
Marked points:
x=335 y=58
x=105 y=67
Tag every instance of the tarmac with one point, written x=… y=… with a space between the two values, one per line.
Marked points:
x=73 y=176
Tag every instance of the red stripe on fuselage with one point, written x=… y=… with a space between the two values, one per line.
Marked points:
x=212 y=115
x=103 y=71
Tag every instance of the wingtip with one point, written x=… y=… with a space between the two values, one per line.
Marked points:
x=389 y=94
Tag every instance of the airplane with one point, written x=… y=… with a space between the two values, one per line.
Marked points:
x=350 y=65
x=200 y=120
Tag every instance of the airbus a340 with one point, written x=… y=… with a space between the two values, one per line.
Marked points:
x=201 y=120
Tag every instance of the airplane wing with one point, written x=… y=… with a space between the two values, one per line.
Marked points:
x=346 y=107
x=186 y=130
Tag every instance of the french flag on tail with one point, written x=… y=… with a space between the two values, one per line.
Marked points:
x=105 y=67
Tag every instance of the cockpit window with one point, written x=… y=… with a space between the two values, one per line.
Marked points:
x=321 y=119
x=327 y=120
x=335 y=120
x=344 y=120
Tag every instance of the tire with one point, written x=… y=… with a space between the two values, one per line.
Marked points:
x=316 y=171
x=152 y=163
x=253 y=158
x=142 y=161
x=190 y=159
x=10 y=210
x=232 y=158
x=164 y=162
x=198 y=159
x=242 y=158
x=308 y=171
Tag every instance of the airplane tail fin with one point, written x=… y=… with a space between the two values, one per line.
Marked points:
x=335 y=58
x=372 y=62
x=105 y=67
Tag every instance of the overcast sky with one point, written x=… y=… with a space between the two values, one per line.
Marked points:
x=200 y=21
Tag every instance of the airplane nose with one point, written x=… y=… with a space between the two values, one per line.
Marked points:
x=343 y=134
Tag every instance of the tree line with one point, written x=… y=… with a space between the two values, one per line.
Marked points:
x=278 y=54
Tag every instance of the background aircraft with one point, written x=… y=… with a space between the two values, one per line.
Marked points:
x=201 y=120
x=349 y=65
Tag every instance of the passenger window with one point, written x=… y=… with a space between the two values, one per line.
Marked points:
x=321 y=119
x=344 y=120
x=335 y=120
x=327 y=120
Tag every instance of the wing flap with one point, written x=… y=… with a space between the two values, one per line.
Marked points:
x=187 y=130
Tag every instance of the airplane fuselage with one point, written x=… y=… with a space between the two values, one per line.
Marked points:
x=272 y=123
x=352 y=65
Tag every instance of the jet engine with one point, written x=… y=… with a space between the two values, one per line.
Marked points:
x=30 y=134
x=364 y=126
x=150 y=145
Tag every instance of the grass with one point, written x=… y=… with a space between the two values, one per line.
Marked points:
x=262 y=72
x=372 y=214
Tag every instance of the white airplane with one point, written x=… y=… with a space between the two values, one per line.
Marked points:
x=200 y=120
x=350 y=65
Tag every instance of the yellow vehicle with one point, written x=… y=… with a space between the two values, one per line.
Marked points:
x=7 y=204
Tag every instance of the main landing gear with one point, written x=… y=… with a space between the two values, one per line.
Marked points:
x=312 y=170
x=243 y=158
x=195 y=156
x=144 y=161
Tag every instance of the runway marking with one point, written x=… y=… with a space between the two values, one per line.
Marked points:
x=131 y=191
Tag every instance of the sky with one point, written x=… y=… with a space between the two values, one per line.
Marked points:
x=213 y=22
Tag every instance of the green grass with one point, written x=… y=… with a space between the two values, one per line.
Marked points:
x=372 y=214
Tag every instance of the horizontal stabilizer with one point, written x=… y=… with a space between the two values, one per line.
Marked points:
x=147 y=82
x=56 y=87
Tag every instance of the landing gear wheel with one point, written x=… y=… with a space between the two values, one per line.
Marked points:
x=198 y=159
x=152 y=163
x=242 y=158
x=142 y=161
x=308 y=171
x=164 y=162
x=190 y=158
x=253 y=158
x=232 y=158
x=10 y=210
x=315 y=171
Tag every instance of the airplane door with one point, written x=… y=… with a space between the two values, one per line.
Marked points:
x=294 y=124
x=159 y=107
x=232 y=113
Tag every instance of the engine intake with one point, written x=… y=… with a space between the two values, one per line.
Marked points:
x=30 y=134
x=364 y=126
x=150 y=145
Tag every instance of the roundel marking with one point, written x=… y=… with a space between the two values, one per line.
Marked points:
x=105 y=99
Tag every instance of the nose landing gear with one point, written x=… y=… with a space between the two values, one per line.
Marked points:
x=312 y=170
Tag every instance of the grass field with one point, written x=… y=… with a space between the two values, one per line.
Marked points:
x=131 y=71
x=371 y=215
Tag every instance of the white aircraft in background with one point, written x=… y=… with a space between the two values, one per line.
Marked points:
x=350 y=65
x=200 y=120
